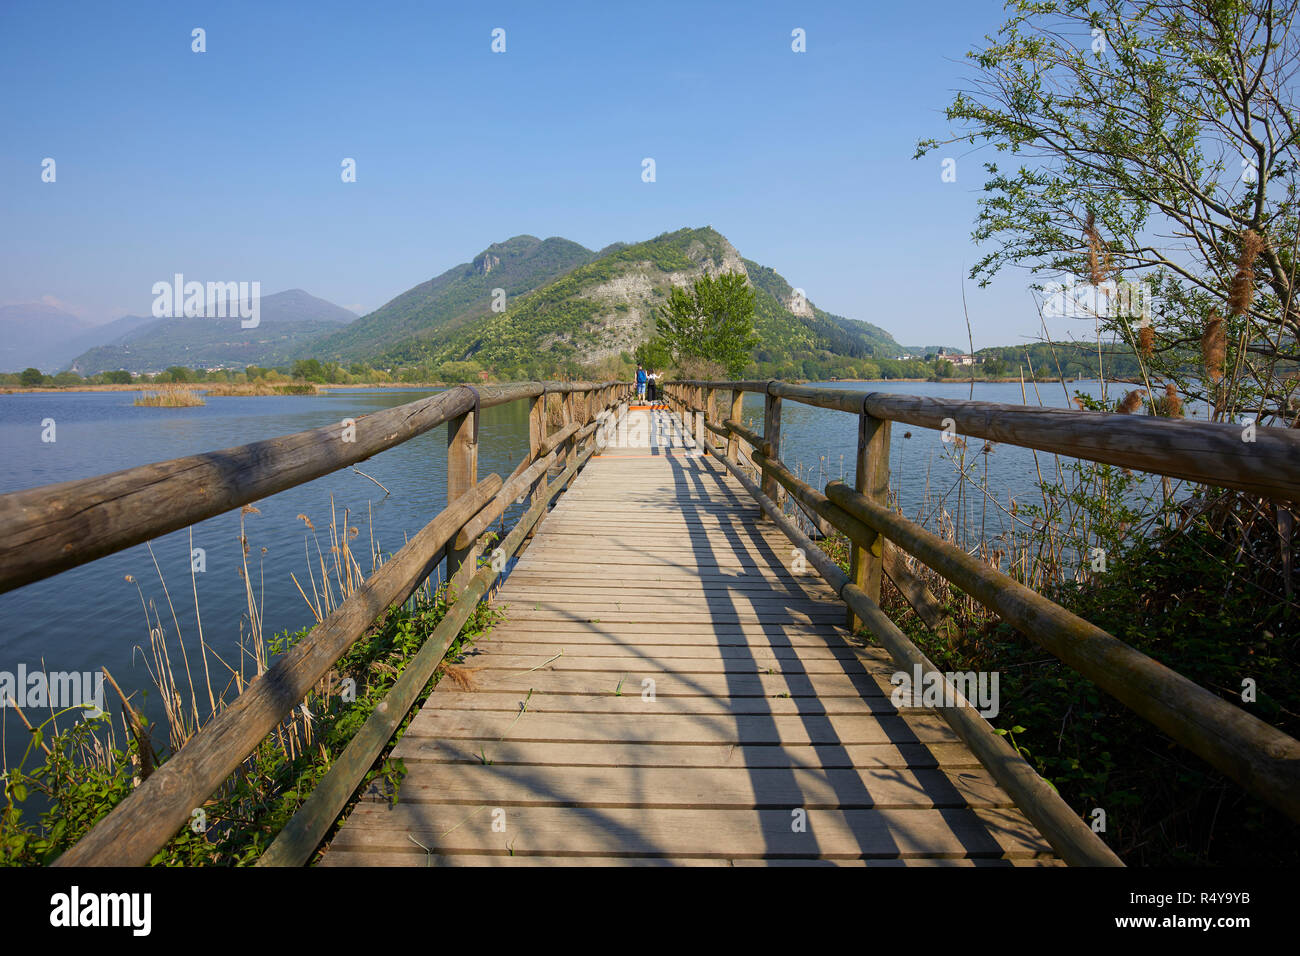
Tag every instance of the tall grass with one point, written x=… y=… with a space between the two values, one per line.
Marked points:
x=261 y=388
x=171 y=398
x=92 y=765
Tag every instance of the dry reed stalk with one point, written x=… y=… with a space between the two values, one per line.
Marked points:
x=171 y=398
x=462 y=676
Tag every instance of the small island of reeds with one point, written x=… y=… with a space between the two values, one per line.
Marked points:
x=171 y=398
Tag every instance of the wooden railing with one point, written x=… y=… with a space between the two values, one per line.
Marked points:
x=1261 y=758
x=47 y=530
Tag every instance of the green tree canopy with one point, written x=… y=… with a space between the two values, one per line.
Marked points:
x=309 y=370
x=1154 y=144
x=654 y=355
x=31 y=377
x=713 y=322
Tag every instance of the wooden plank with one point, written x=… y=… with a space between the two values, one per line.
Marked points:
x=631 y=701
x=490 y=726
x=594 y=683
x=703 y=788
x=646 y=665
x=760 y=705
x=995 y=833
x=669 y=654
x=884 y=757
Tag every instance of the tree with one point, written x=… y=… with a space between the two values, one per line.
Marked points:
x=714 y=322
x=1157 y=145
x=31 y=377
x=118 y=376
x=309 y=370
x=654 y=354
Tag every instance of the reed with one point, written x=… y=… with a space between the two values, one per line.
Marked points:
x=87 y=769
x=171 y=398
x=261 y=388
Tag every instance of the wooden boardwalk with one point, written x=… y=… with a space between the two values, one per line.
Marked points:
x=666 y=690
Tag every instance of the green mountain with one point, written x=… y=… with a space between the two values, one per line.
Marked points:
x=289 y=321
x=460 y=294
x=596 y=308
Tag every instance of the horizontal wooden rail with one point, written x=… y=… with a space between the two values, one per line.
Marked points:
x=294 y=845
x=1211 y=453
x=518 y=484
x=45 y=519
x=1260 y=757
x=55 y=527
x=914 y=591
x=1038 y=800
x=152 y=813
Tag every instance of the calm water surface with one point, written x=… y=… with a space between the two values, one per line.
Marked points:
x=92 y=616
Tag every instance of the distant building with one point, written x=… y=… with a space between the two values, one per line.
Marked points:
x=957 y=358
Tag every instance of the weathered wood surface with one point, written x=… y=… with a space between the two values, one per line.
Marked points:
x=1212 y=453
x=154 y=811
x=52 y=528
x=769 y=737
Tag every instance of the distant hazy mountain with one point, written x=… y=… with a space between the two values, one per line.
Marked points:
x=34 y=335
x=463 y=292
x=288 y=320
x=105 y=334
x=586 y=307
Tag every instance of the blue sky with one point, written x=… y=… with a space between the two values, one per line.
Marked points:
x=225 y=165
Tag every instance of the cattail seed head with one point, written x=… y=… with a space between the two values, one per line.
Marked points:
x=1243 y=283
x=1214 y=347
x=1146 y=340
x=1131 y=402
x=1096 y=273
x=1173 y=404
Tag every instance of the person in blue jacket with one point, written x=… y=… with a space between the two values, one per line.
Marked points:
x=640 y=382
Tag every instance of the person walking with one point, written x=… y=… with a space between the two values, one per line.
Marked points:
x=640 y=382
x=652 y=387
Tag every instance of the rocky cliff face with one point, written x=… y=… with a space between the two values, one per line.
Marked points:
x=628 y=301
x=486 y=262
x=797 y=304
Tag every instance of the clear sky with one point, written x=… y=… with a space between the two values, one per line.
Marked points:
x=225 y=165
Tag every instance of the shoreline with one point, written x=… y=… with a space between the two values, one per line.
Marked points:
x=205 y=386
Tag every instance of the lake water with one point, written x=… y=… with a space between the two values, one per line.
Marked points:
x=91 y=616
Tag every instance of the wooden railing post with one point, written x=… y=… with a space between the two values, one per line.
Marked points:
x=737 y=409
x=771 y=447
x=698 y=416
x=536 y=435
x=570 y=452
x=871 y=478
x=462 y=475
